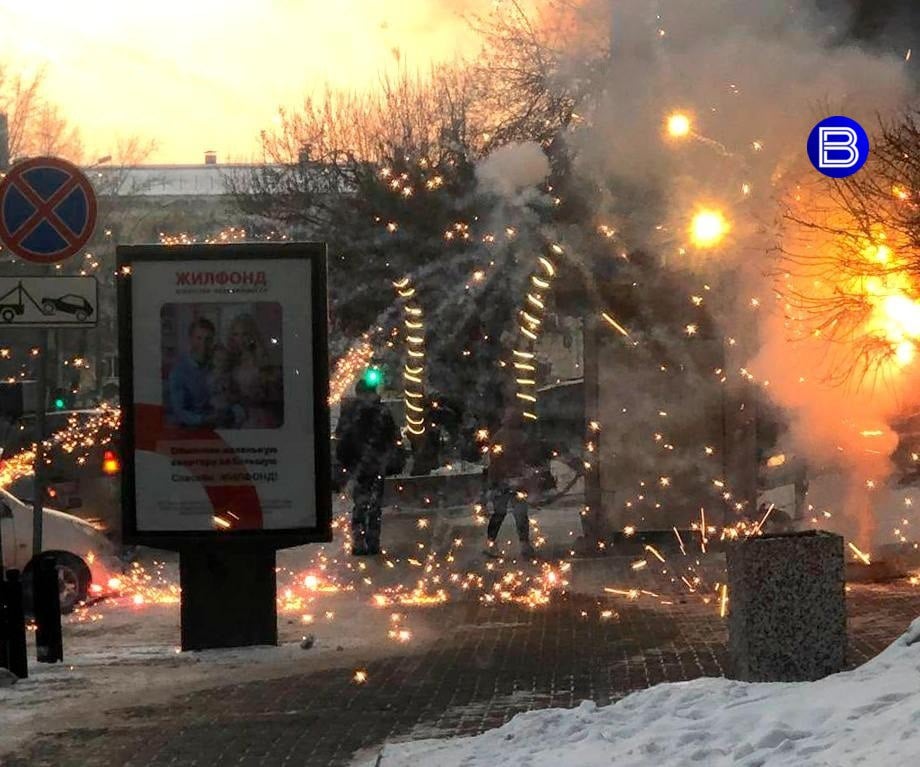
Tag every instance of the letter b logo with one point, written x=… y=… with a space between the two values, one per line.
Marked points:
x=838 y=146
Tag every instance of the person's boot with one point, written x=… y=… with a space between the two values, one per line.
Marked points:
x=358 y=547
x=527 y=550
x=372 y=549
x=491 y=550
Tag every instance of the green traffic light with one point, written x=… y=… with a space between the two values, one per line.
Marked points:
x=59 y=403
x=373 y=377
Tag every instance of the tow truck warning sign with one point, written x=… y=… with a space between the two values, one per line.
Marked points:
x=50 y=302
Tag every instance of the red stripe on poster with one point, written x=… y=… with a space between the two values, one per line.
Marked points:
x=237 y=505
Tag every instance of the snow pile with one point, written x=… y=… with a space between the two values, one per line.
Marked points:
x=870 y=715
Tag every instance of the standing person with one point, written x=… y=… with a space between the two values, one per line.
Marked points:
x=508 y=474
x=366 y=446
x=190 y=379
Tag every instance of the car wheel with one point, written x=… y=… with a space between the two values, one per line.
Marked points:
x=48 y=307
x=73 y=581
x=81 y=315
x=8 y=315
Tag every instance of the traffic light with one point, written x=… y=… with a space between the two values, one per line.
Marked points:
x=110 y=462
x=59 y=399
x=373 y=377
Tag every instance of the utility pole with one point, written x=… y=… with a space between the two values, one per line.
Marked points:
x=4 y=143
x=38 y=484
x=4 y=164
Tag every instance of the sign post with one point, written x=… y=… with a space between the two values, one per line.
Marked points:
x=47 y=215
x=38 y=470
x=224 y=391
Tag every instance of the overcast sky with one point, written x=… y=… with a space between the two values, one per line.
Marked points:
x=209 y=74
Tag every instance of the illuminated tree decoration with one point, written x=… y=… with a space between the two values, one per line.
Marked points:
x=348 y=367
x=414 y=367
x=530 y=320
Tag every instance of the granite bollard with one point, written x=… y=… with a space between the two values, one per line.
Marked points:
x=787 y=619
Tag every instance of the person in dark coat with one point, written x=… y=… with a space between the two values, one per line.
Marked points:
x=366 y=446
x=509 y=479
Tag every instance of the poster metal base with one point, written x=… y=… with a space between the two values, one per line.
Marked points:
x=228 y=596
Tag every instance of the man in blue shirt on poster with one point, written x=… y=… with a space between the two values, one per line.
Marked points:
x=190 y=401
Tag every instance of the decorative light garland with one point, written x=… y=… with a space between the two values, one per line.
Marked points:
x=530 y=320
x=227 y=234
x=414 y=367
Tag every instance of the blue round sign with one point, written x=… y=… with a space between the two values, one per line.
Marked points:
x=47 y=210
x=838 y=146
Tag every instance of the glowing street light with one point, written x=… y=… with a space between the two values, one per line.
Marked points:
x=678 y=125
x=708 y=227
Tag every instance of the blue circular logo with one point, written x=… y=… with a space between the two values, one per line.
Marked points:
x=838 y=146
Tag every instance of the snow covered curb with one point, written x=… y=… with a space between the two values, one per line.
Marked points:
x=870 y=715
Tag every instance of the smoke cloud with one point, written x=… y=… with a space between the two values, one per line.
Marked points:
x=752 y=77
x=513 y=168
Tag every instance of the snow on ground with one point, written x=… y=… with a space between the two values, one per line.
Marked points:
x=868 y=716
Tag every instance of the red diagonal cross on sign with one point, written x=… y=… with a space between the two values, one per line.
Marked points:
x=45 y=211
x=40 y=230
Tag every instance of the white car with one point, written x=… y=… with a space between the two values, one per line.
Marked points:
x=86 y=559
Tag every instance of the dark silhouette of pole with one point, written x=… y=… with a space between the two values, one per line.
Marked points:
x=49 y=643
x=4 y=143
x=38 y=485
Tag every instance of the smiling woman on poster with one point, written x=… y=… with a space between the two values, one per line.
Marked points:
x=255 y=375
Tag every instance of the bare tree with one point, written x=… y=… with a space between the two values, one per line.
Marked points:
x=36 y=125
x=534 y=69
x=337 y=142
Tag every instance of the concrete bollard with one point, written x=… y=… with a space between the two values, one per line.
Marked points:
x=49 y=643
x=787 y=620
